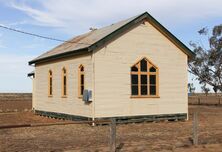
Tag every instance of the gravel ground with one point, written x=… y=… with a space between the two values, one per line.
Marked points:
x=161 y=136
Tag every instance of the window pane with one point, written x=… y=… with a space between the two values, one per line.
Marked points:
x=152 y=90
x=82 y=79
x=64 y=71
x=143 y=65
x=134 y=90
x=64 y=80
x=134 y=79
x=64 y=89
x=144 y=90
x=134 y=68
x=50 y=90
x=82 y=68
x=82 y=88
x=152 y=79
x=50 y=81
x=64 y=85
x=152 y=69
x=143 y=79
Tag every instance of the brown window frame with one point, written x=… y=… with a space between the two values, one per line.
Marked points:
x=50 y=83
x=148 y=74
x=64 y=82
x=80 y=85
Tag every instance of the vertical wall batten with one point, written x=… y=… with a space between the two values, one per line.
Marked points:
x=93 y=85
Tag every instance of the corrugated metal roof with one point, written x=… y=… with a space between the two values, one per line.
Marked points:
x=97 y=38
x=85 y=40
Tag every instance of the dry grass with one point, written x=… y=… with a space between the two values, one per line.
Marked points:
x=161 y=136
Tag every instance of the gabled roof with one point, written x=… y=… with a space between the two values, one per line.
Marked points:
x=97 y=38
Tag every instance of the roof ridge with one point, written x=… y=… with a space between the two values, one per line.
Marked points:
x=84 y=36
x=97 y=38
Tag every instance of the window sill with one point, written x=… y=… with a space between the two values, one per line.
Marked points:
x=144 y=96
x=50 y=96
x=64 y=96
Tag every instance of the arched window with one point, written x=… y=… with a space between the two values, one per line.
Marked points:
x=144 y=79
x=50 y=83
x=81 y=80
x=64 y=82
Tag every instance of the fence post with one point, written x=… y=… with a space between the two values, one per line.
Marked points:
x=195 y=128
x=113 y=135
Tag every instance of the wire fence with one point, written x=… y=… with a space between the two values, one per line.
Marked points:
x=201 y=128
x=205 y=100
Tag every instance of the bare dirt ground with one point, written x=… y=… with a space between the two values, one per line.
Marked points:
x=13 y=106
x=160 y=136
x=16 y=118
x=12 y=102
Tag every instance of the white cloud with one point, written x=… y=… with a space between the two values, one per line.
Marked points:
x=39 y=16
x=82 y=14
x=17 y=23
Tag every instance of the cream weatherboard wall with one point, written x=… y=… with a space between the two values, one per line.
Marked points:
x=112 y=75
x=107 y=74
x=72 y=104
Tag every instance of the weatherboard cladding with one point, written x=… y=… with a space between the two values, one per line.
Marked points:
x=112 y=81
x=97 y=38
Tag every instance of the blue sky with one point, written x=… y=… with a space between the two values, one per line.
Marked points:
x=64 y=19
